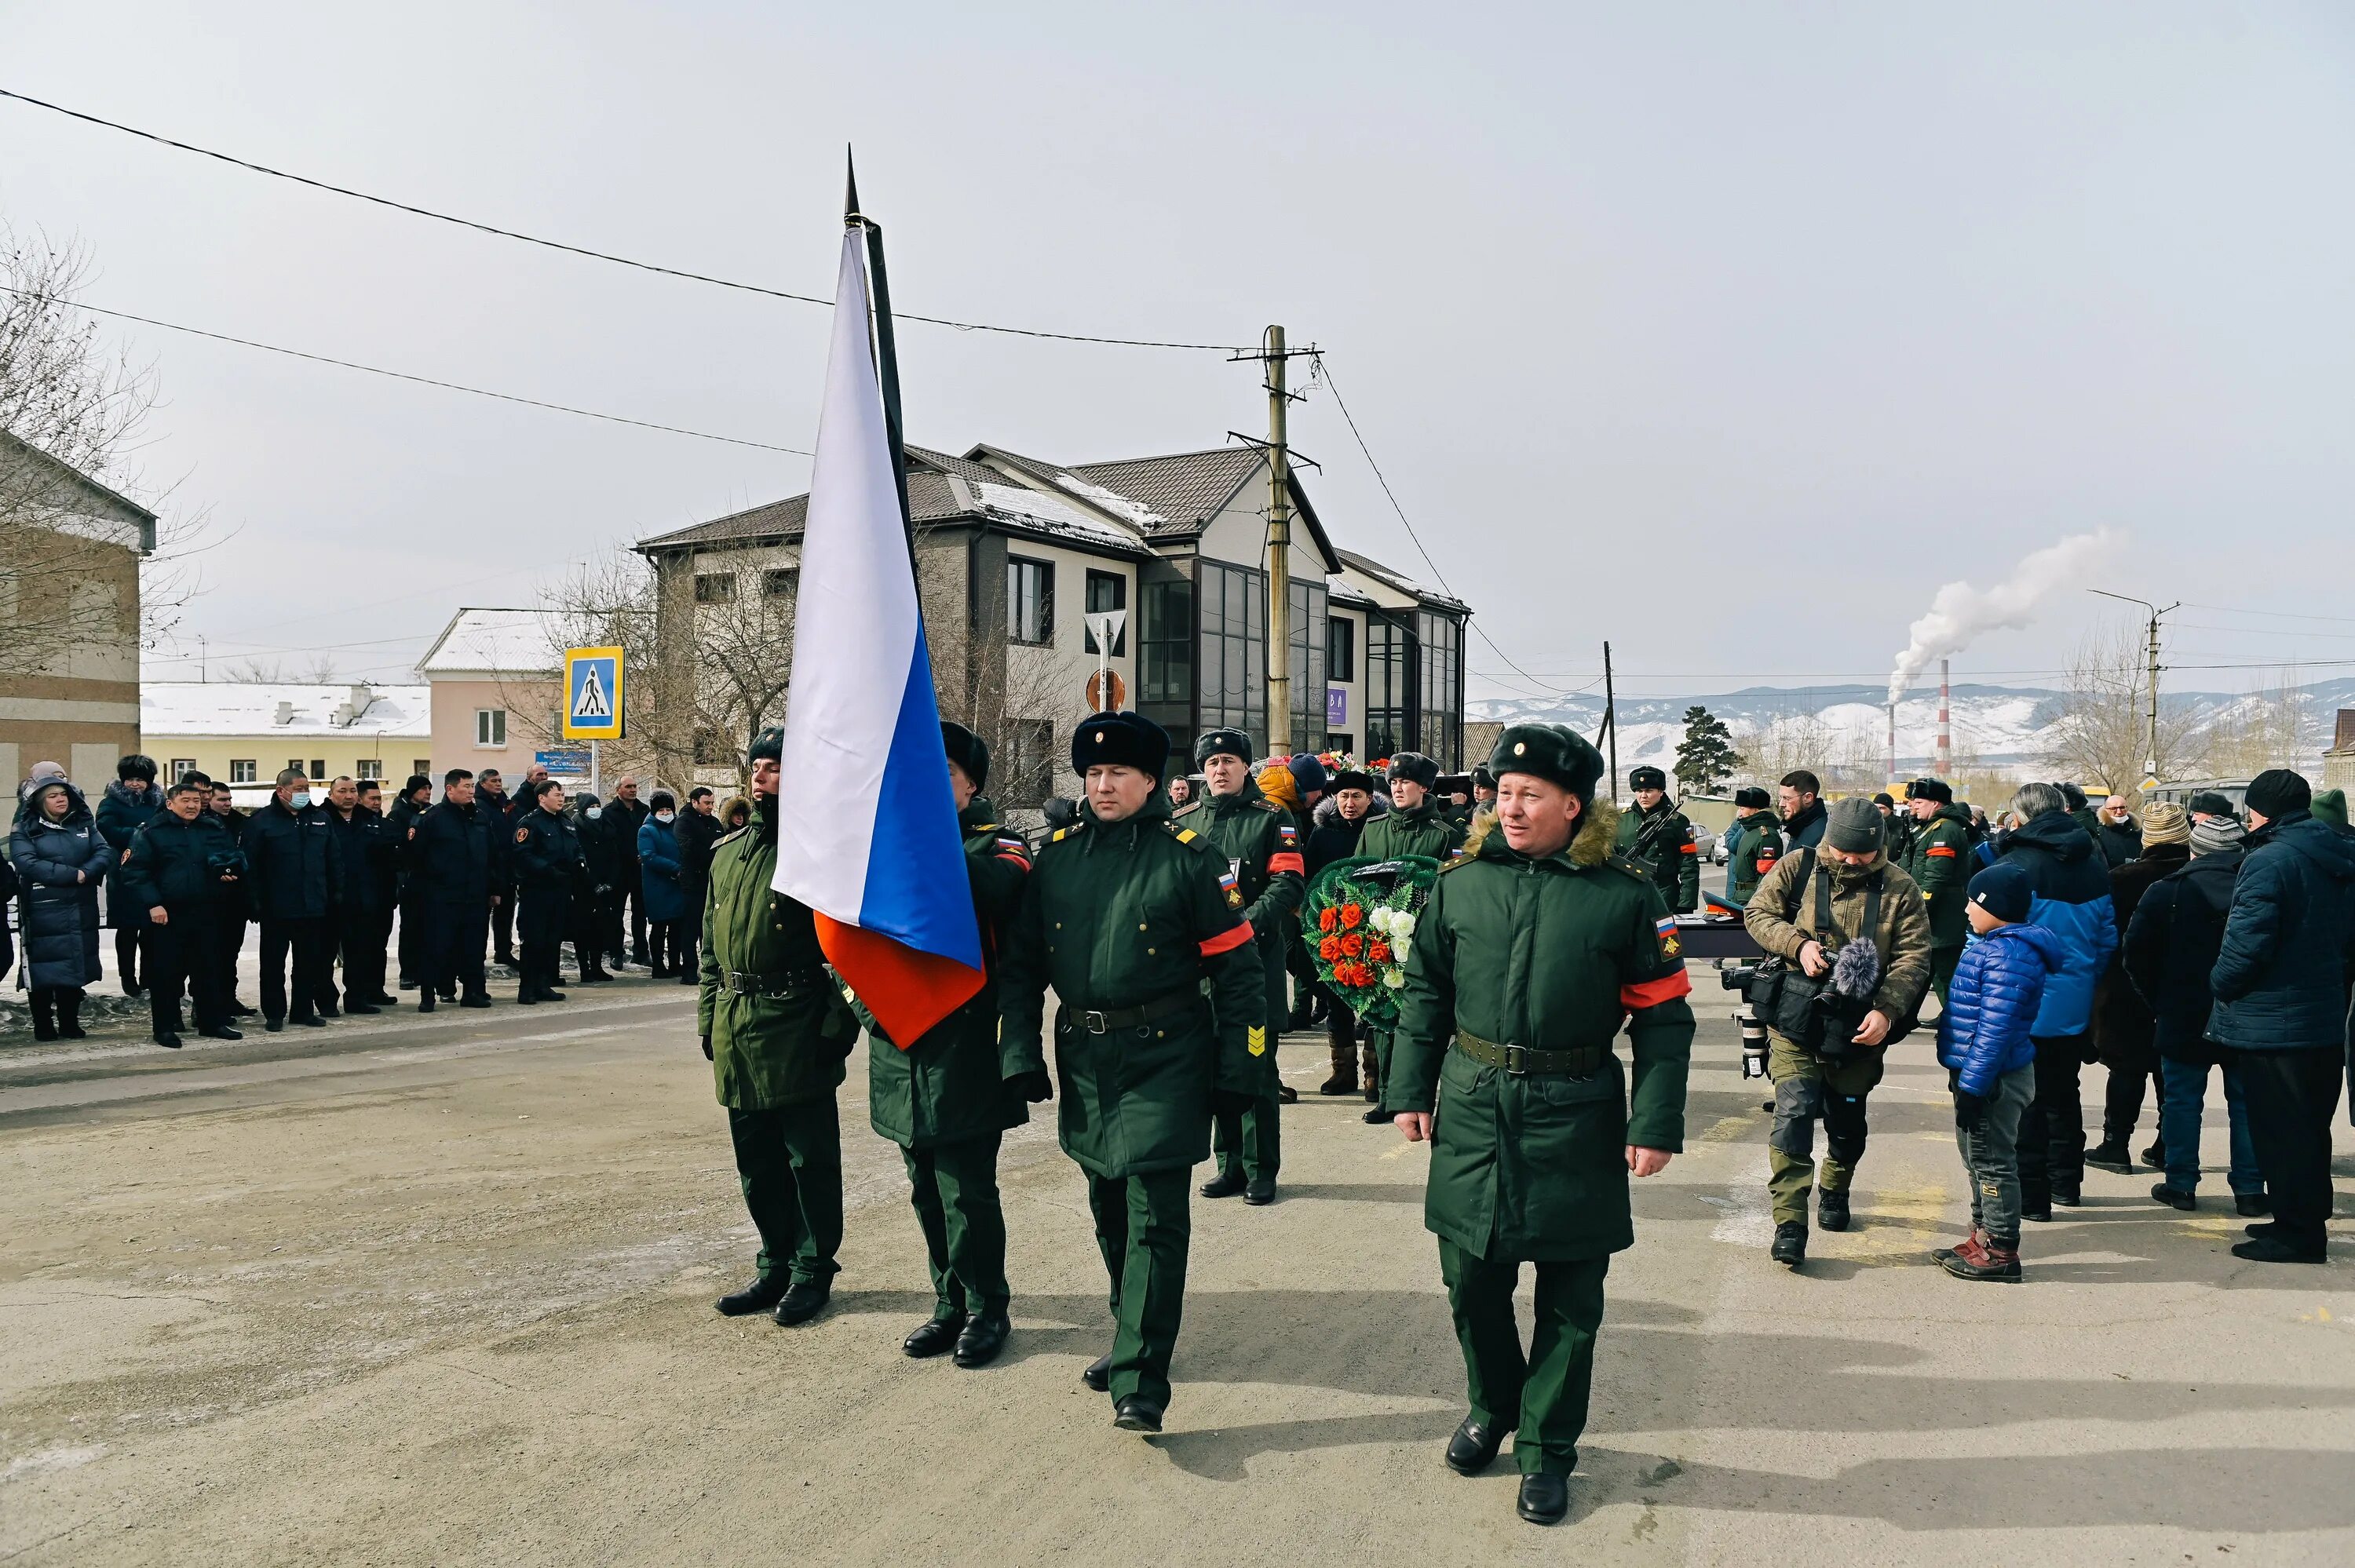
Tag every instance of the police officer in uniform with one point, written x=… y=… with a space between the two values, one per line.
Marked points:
x=1265 y=877
x=1656 y=836
x=1125 y=915
x=449 y=877
x=777 y=1032
x=184 y=869
x=1939 y=858
x=1535 y=948
x=946 y=1103
x=548 y=866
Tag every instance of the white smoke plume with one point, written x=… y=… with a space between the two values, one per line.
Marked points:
x=1961 y=612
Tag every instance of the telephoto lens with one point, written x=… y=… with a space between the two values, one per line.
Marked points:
x=1754 y=1042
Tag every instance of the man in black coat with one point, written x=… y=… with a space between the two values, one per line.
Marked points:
x=491 y=802
x=696 y=832
x=290 y=850
x=625 y=814
x=182 y=870
x=450 y=886
x=597 y=905
x=416 y=799
x=548 y=868
x=366 y=880
x=232 y=912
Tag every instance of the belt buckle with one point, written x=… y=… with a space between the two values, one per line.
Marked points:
x=1094 y=1023
x=1513 y=1055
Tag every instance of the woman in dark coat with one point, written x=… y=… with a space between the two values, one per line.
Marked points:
x=659 y=866
x=2122 y=1019
x=60 y=858
x=128 y=804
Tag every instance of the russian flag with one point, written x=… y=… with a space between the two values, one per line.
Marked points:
x=867 y=831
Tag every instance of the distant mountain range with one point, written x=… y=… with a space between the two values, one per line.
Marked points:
x=1999 y=728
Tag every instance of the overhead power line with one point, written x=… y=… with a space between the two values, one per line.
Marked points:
x=405 y=375
x=593 y=255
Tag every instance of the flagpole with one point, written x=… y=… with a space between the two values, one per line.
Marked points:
x=887 y=346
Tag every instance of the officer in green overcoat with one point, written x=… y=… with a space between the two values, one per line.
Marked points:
x=1537 y=946
x=1266 y=876
x=1939 y=858
x=1126 y=916
x=945 y=1102
x=1412 y=826
x=1659 y=838
x=777 y=1032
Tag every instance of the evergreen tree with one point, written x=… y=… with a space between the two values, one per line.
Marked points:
x=1705 y=758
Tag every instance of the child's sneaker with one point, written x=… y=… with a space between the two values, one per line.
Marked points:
x=1973 y=1260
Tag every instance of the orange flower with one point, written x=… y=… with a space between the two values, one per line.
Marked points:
x=1354 y=943
x=1380 y=951
x=1352 y=916
x=1330 y=947
x=1328 y=918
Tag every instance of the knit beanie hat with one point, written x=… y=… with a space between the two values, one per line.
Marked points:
x=2332 y=807
x=1307 y=772
x=2004 y=891
x=1853 y=826
x=2165 y=823
x=2278 y=792
x=2212 y=833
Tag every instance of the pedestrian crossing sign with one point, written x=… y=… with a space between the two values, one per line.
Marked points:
x=593 y=694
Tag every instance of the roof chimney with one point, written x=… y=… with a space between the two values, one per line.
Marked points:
x=286 y=712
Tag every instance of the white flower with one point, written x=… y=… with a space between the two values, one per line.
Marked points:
x=1394 y=978
x=1402 y=927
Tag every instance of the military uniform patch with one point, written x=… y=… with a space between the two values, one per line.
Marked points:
x=1666 y=927
x=522 y=834
x=1256 y=1041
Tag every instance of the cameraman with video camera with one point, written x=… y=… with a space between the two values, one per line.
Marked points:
x=1848 y=941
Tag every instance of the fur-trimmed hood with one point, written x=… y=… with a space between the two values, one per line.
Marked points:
x=1591 y=845
x=1328 y=811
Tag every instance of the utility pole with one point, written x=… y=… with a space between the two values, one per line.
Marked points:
x=2150 y=759
x=1279 y=555
x=1611 y=719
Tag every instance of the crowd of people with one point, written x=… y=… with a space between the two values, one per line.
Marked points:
x=340 y=887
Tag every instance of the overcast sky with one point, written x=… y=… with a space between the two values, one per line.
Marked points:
x=1646 y=310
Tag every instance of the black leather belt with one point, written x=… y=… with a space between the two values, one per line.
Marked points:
x=1170 y=1006
x=1582 y=1062
x=783 y=988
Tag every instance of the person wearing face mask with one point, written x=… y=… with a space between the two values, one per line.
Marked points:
x=597 y=903
x=292 y=870
x=663 y=904
x=60 y=857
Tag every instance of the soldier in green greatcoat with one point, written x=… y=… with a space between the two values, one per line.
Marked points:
x=1755 y=843
x=1658 y=838
x=1265 y=877
x=1537 y=946
x=777 y=1032
x=946 y=1103
x=1939 y=858
x=1412 y=826
x=1126 y=916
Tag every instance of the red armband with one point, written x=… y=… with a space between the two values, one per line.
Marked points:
x=1228 y=940
x=1279 y=863
x=1651 y=994
x=1942 y=852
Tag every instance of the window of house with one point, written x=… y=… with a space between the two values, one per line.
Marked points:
x=1030 y=763
x=1307 y=634
x=1234 y=649
x=780 y=582
x=1166 y=643
x=241 y=769
x=1340 y=740
x=298 y=765
x=181 y=767
x=371 y=767
x=1106 y=590
x=490 y=726
x=1341 y=649
x=1442 y=687
x=715 y=587
x=1029 y=601
x=318 y=770
x=1390 y=693
x=418 y=764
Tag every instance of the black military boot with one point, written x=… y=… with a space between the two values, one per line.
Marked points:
x=2174 y=1197
x=803 y=1299
x=69 y=1017
x=425 y=999
x=1260 y=1193
x=2248 y=1205
x=2111 y=1155
x=1474 y=1448
x=1136 y=1413
x=936 y=1337
x=1097 y=1373
x=1226 y=1183
x=1831 y=1209
x=1544 y=1499
x=757 y=1296
x=983 y=1338
x=1378 y=1117
x=1790 y=1243
x=45 y=1012
x=2156 y=1155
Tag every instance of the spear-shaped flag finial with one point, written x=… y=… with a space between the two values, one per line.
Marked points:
x=850 y=186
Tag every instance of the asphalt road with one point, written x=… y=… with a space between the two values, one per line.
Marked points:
x=437 y=1290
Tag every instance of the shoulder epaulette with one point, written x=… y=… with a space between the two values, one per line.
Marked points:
x=1183 y=835
x=1623 y=863
x=1060 y=834
x=1267 y=805
x=732 y=833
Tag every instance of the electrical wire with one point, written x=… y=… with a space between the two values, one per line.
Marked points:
x=404 y=376
x=584 y=250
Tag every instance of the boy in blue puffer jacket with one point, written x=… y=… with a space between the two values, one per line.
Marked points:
x=1984 y=1042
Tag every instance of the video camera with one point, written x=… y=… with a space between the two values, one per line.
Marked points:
x=1736 y=976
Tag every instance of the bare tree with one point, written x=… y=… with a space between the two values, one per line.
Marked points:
x=1786 y=744
x=2269 y=728
x=72 y=412
x=2101 y=735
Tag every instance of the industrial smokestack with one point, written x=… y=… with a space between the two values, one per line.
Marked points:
x=1945 y=725
x=1893 y=745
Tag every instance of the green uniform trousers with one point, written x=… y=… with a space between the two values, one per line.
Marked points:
x=1379 y=1041
x=1254 y=1135
x=789 y=1163
x=1541 y=1395
x=1143 y=1226
x=953 y=1187
x=1942 y=969
x=1808 y=1089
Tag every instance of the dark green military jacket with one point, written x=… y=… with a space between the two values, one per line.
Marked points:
x=1553 y=954
x=947 y=1085
x=1268 y=879
x=1114 y=917
x=1660 y=840
x=1941 y=864
x=1418 y=830
x=779 y=1028
x=1757 y=845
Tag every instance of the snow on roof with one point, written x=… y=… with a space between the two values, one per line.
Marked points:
x=1047 y=512
x=500 y=642
x=1112 y=500
x=171 y=708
